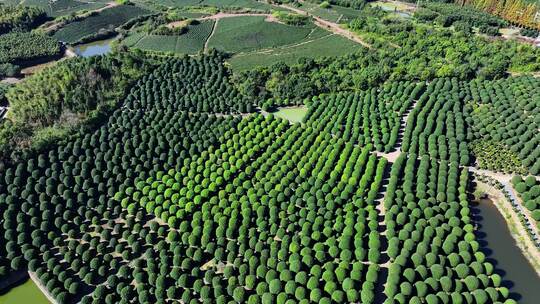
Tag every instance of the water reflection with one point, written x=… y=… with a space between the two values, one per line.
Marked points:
x=95 y=48
x=501 y=250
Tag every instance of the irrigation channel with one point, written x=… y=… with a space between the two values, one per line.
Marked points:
x=500 y=248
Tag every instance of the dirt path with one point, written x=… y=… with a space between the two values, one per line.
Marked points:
x=221 y=15
x=205 y=49
x=55 y=26
x=331 y=26
x=42 y=287
x=533 y=74
x=514 y=224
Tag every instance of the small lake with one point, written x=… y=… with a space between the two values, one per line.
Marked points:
x=26 y=293
x=501 y=250
x=95 y=48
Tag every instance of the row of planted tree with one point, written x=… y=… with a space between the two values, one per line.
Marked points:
x=168 y=201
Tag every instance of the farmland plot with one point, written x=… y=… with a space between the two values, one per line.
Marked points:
x=248 y=33
x=320 y=44
x=188 y=43
x=65 y=7
x=106 y=20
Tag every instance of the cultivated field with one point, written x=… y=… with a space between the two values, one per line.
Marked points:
x=248 y=33
x=105 y=20
x=321 y=43
x=189 y=43
x=65 y=7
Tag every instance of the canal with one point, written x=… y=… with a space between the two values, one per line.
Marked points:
x=501 y=250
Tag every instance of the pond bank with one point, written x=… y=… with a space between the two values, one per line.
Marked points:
x=513 y=224
x=16 y=278
x=27 y=292
x=497 y=242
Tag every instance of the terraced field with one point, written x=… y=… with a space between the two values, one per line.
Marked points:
x=65 y=7
x=320 y=43
x=106 y=20
x=248 y=33
x=188 y=43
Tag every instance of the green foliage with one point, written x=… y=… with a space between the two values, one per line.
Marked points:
x=64 y=96
x=20 y=48
x=20 y=18
x=505 y=124
x=190 y=42
x=452 y=14
x=248 y=33
x=529 y=191
x=292 y=18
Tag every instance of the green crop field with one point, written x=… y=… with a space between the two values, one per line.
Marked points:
x=105 y=20
x=65 y=7
x=248 y=33
x=217 y=3
x=189 y=43
x=318 y=46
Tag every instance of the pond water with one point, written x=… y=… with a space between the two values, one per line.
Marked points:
x=26 y=293
x=95 y=48
x=501 y=250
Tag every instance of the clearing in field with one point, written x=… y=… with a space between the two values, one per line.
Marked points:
x=105 y=20
x=189 y=43
x=292 y=114
x=249 y=33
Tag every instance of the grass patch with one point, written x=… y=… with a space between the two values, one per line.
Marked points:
x=106 y=20
x=249 y=33
x=320 y=44
x=293 y=114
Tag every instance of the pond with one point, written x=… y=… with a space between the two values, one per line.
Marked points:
x=95 y=48
x=27 y=292
x=501 y=249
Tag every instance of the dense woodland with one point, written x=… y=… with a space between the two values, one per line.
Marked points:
x=54 y=102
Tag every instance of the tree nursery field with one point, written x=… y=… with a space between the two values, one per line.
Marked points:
x=267 y=152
